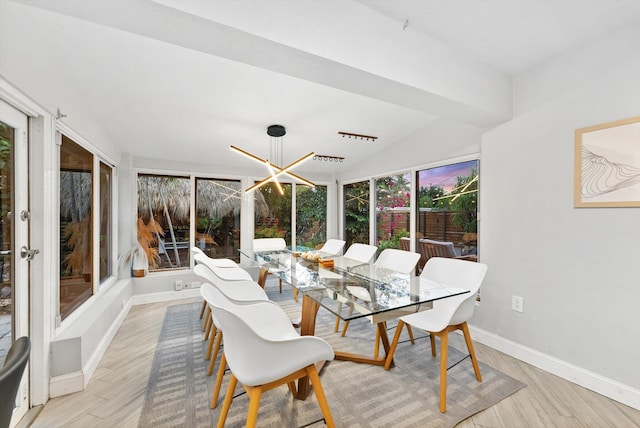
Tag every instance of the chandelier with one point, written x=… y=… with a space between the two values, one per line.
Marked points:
x=276 y=132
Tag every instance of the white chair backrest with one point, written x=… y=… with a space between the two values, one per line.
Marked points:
x=455 y=273
x=398 y=260
x=200 y=257
x=196 y=250
x=362 y=252
x=278 y=327
x=333 y=247
x=269 y=244
x=229 y=273
x=256 y=359
x=237 y=290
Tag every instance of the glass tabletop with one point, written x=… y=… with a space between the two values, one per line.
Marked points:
x=374 y=292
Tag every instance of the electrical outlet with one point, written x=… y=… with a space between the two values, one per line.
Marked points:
x=517 y=303
x=196 y=284
x=178 y=285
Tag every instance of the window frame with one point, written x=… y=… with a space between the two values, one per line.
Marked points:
x=98 y=287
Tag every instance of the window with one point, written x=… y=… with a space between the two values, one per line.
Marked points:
x=273 y=212
x=106 y=185
x=76 y=226
x=356 y=213
x=448 y=205
x=164 y=220
x=393 y=197
x=218 y=217
x=311 y=216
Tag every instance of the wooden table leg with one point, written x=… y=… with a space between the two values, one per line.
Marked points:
x=262 y=277
x=382 y=330
x=307 y=328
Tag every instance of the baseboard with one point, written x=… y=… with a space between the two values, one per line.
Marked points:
x=96 y=357
x=164 y=296
x=593 y=381
x=66 y=384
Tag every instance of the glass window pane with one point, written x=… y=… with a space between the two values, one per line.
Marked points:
x=273 y=212
x=311 y=216
x=163 y=220
x=218 y=217
x=448 y=205
x=393 y=197
x=105 y=221
x=356 y=213
x=76 y=232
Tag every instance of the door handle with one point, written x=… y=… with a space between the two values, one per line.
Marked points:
x=5 y=253
x=28 y=254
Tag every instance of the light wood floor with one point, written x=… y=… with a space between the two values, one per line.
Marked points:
x=115 y=394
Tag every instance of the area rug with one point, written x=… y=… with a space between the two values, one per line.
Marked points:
x=359 y=395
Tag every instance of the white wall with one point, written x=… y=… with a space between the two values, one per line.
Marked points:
x=439 y=140
x=577 y=269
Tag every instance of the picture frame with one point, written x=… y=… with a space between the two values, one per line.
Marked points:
x=607 y=165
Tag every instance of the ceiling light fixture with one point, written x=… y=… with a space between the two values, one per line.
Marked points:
x=328 y=158
x=357 y=136
x=276 y=132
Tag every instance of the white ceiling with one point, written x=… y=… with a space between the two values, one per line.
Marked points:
x=183 y=80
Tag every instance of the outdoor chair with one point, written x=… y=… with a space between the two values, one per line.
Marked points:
x=263 y=351
x=447 y=315
x=405 y=243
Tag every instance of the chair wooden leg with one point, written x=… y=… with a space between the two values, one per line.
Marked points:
x=292 y=388
x=207 y=332
x=444 y=343
x=210 y=346
x=322 y=400
x=472 y=353
x=204 y=306
x=227 y=401
x=344 y=328
x=205 y=323
x=394 y=344
x=432 y=339
x=346 y=323
x=337 y=326
x=212 y=361
x=254 y=393
x=216 y=392
x=294 y=290
x=280 y=285
x=410 y=332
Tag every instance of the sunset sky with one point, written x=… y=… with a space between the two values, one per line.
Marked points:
x=445 y=176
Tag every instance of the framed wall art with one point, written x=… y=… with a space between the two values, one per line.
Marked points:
x=607 y=165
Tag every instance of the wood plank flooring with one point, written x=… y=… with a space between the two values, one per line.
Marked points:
x=115 y=394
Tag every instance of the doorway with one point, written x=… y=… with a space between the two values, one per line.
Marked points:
x=15 y=253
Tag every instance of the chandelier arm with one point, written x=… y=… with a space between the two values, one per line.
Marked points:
x=286 y=171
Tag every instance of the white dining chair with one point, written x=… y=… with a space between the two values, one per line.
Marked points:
x=238 y=290
x=210 y=293
x=268 y=244
x=263 y=351
x=332 y=247
x=397 y=260
x=447 y=315
x=363 y=253
x=195 y=251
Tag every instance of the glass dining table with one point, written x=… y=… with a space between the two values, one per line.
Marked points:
x=349 y=289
